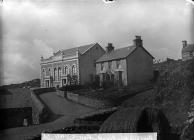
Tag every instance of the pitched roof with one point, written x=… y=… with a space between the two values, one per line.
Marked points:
x=117 y=54
x=188 y=48
x=120 y=53
x=72 y=51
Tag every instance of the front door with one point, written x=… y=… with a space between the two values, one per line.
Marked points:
x=64 y=82
x=47 y=83
x=119 y=78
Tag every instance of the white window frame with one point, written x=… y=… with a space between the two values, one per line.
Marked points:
x=66 y=72
x=43 y=72
x=74 y=72
x=55 y=74
x=59 y=73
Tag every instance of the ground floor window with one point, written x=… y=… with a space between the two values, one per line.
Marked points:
x=64 y=81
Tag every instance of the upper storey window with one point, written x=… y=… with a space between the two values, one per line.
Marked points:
x=43 y=72
x=55 y=74
x=73 y=70
x=109 y=64
x=65 y=71
x=49 y=71
x=59 y=73
x=102 y=66
x=118 y=63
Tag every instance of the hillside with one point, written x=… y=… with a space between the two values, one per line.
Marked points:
x=27 y=84
x=172 y=92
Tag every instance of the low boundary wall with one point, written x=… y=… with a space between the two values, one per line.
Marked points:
x=40 y=112
x=94 y=103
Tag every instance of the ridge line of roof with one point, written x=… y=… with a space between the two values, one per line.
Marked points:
x=116 y=52
x=90 y=47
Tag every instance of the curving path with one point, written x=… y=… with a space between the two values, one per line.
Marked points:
x=57 y=105
x=61 y=106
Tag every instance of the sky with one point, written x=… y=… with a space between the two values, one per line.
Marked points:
x=35 y=28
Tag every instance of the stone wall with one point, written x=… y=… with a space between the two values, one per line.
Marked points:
x=94 y=103
x=61 y=93
x=40 y=112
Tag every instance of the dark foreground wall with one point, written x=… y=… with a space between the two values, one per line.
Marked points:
x=40 y=112
x=14 y=117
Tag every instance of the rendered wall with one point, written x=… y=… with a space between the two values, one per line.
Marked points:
x=87 y=63
x=139 y=67
x=59 y=64
x=114 y=68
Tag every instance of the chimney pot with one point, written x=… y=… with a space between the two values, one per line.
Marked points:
x=109 y=48
x=138 y=41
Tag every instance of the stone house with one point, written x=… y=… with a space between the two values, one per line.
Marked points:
x=78 y=62
x=126 y=66
x=187 y=51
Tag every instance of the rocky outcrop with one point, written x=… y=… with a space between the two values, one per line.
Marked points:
x=188 y=131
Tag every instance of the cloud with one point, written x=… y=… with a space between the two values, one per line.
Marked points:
x=38 y=28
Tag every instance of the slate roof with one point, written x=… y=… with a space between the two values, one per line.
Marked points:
x=188 y=48
x=72 y=51
x=119 y=53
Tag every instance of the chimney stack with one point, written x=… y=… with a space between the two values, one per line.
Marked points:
x=138 y=41
x=184 y=43
x=109 y=48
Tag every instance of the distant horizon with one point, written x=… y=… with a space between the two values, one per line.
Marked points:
x=38 y=28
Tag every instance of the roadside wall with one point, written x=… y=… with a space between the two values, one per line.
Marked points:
x=94 y=103
x=40 y=112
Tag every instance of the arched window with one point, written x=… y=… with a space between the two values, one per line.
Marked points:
x=43 y=72
x=59 y=73
x=49 y=71
x=55 y=74
x=73 y=70
x=65 y=70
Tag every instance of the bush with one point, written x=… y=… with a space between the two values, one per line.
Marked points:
x=107 y=84
x=190 y=79
x=96 y=83
x=71 y=87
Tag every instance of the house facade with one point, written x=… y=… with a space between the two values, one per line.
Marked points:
x=187 y=51
x=126 y=66
x=75 y=65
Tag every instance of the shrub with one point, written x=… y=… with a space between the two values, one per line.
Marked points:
x=73 y=79
x=190 y=79
x=107 y=84
x=71 y=87
x=96 y=83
